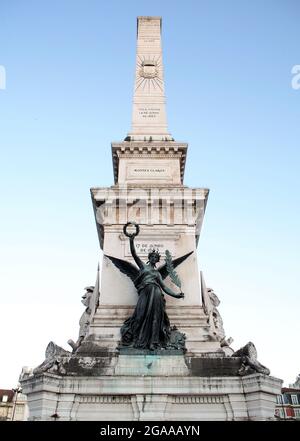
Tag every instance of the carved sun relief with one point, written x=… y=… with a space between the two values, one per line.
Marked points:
x=149 y=73
x=148 y=69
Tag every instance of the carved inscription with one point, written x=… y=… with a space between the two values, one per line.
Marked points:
x=149 y=170
x=149 y=31
x=137 y=171
x=151 y=112
x=144 y=246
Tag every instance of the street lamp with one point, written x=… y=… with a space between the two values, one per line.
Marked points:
x=17 y=390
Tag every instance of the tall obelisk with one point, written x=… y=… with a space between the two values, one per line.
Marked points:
x=149 y=120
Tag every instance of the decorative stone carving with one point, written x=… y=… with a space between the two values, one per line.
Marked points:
x=148 y=69
x=194 y=399
x=169 y=155
x=85 y=319
x=105 y=399
x=54 y=358
x=226 y=342
x=214 y=315
x=177 y=340
x=210 y=302
x=250 y=364
x=90 y=300
x=26 y=372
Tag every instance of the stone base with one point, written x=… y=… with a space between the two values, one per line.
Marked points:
x=151 y=365
x=151 y=387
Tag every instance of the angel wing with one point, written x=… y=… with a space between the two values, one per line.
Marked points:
x=163 y=269
x=125 y=267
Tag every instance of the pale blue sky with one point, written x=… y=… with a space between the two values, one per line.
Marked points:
x=69 y=82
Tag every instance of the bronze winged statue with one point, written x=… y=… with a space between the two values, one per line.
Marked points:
x=149 y=326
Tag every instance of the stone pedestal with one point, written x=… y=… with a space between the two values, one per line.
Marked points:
x=164 y=395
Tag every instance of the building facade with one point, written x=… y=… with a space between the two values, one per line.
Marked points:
x=13 y=405
x=288 y=404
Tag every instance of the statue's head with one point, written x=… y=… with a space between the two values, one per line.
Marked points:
x=87 y=295
x=213 y=297
x=153 y=256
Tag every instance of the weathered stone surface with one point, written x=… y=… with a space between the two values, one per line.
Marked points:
x=144 y=398
x=153 y=365
x=158 y=352
x=215 y=367
x=90 y=347
x=90 y=365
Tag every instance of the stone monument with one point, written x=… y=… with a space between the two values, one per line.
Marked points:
x=140 y=354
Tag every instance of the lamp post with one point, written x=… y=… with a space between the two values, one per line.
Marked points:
x=17 y=390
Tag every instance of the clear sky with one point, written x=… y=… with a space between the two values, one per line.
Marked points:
x=69 y=80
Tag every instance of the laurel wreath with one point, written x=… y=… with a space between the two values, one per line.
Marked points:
x=137 y=229
x=171 y=271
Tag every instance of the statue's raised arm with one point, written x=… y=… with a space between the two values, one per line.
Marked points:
x=131 y=237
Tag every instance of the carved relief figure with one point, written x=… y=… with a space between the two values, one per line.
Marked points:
x=250 y=364
x=215 y=317
x=55 y=356
x=85 y=319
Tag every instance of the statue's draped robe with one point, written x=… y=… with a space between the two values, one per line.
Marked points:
x=149 y=326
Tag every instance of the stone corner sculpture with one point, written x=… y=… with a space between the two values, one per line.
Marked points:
x=250 y=364
x=55 y=357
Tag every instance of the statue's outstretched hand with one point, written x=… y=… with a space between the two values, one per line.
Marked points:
x=180 y=295
x=133 y=234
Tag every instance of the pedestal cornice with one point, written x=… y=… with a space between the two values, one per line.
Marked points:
x=148 y=150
